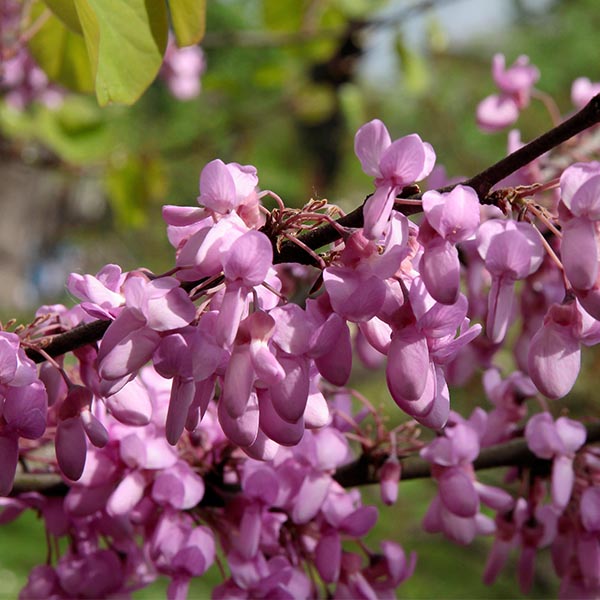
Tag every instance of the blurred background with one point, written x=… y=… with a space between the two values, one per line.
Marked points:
x=283 y=85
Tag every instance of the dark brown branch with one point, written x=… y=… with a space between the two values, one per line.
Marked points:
x=321 y=236
x=483 y=182
x=70 y=340
x=588 y=116
x=365 y=470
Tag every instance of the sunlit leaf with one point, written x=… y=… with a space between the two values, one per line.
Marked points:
x=126 y=42
x=188 y=18
x=61 y=53
x=65 y=10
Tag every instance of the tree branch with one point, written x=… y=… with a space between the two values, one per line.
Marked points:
x=588 y=116
x=326 y=234
x=362 y=471
x=365 y=470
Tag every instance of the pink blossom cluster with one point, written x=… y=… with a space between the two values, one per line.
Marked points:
x=212 y=418
x=181 y=70
x=22 y=82
x=568 y=523
x=139 y=510
x=514 y=84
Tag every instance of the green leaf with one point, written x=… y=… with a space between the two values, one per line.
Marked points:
x=65 y=10
x=126 y=42
x=188 y=18
x=77 y=131
x=61 y=54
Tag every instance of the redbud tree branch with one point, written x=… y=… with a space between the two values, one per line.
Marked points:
x=365 y=470
x=323 y=235
x=362 y=471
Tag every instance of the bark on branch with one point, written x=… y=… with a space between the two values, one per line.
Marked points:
x=321 y=236
x=515 y=453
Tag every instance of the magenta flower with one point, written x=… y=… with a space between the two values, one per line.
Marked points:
x=23 y=405
x=515 y=84
x=511 y=251
x=453 y=217
x=394 y=166
x=582 y=91
x=181 y=69
x=102 y=293
x=558 y=441
x=554 y=357
x=152 y=307
x=245 y=266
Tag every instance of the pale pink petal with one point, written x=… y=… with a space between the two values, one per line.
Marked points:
x=316 y=413
x=408 y=363
x=572 y=433
x=328 y=556
x=310 y=497
x=131 y=405
x=377 y=210
x=354 y=295
x=586 y=200
x=404 y=160
x=217 y=187
x=238 y=381
x=455 y=215
x=563 y=478
x=579 y=253
x=590 y=509
x=360 y=522
x=263 y=448
x=241 y=430
x=554 y=360
x=290 y=395
x=370 y=141
x=574 y=177
x=500 y=308
x=457 y=492
x=280 y=430
x=182 y=396
x=249 y=258
x=336 y=365
x=582 y=91
x=494 y=113
x=127 y=494
x=440 y=271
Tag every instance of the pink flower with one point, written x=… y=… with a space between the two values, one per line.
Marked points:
x=515 y=84
x=394 y=166
x=511 y=251
x=558 y=441
x=554 y=357
x=452 y=218
x=582 y=91
x=181 y=69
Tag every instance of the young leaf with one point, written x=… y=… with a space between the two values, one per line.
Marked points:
x=61 y=53
x=126 y=42
x=65 y=10
x=188 y=18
